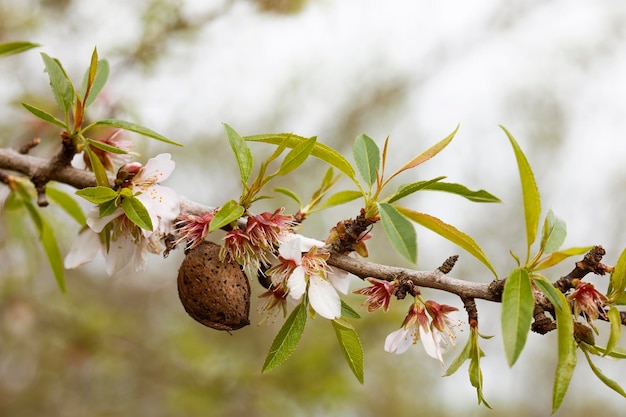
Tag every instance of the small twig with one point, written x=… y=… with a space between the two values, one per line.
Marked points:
x=28 y=146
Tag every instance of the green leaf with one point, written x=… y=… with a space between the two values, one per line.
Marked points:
x=287 y=339
x=606 y=380
x=49 y=243
x=348 y=312
x=102 y=74
x=297 y=156
x=67 y=203
x=548 y=289
x=530 y=192
x=480 y=196
x=107 y=148
x=399 y=230
x=10 y=48
x=53 y=253
x=559 y=256
x=320 y=150
x=567 y=352
x=228 y=213
x=426 y=155
x=618 y=277
x=339 y=198
x=553 y=233
x=616 y=329
x=458 y=361
x=367 y=158
x=108 y=208
x=94 y=79
x=408 y=189
x=98 y=169
x=134 y=127
x=61 y=85
x=242 y=152
x=617 y=352
x=350 y=347
x=137 y=213
x=517 y=313
x=289 y=194
x=98 y=195
x=475 y=373
x=44 y=116
x=450 y=233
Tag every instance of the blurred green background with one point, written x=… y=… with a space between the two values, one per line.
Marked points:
x=552 y=72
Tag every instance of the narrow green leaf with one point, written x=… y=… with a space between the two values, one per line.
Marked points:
x=90 y=75
x=606 y=380
x=320 y=151
x=450 y=233
x=44 y=116
x=350 y=347
x=348 y=312
x=530 y=192
x=107 y=148
x=517 y=313
x=479 y=196
x=97 y=195
x=100 y=79
x=228 y=213
x=137 y=213
x=458 y=361
x=475 y=373
x=553 y=233
x=297 y=156
x=98 y=169
x=367 y=158
x=399 y=230
x=618 y=277
x=53 y=253
x=408 y=189
x=242 y=152
x=426 y=155
x=10 y=48
x=617 y=352
x=567 y=352
x=289 y=194
x=547 y=289
x=287 y=339
x=134 y=127
x=59 y=83
x=616 y=330
x=67 y=203
x=339 y=198
x=48 y=241
x=559 y=256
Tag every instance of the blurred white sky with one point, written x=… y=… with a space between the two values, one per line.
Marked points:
x=555 y=66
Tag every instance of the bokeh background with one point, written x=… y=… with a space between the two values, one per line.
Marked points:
x=552 y=72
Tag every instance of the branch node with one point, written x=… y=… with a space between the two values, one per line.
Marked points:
x=472 y=311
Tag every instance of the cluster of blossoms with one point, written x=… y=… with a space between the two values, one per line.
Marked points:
x=123 y=241
x=436 y=333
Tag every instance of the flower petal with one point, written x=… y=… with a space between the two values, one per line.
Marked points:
x=121 y=252
x=291 y=250
x=323 y=298
x=399 y=341
x=340 y=280
x=84 y=249
x=296 y=283
x=431 y=344
x=97 y=223
x=157 y=169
